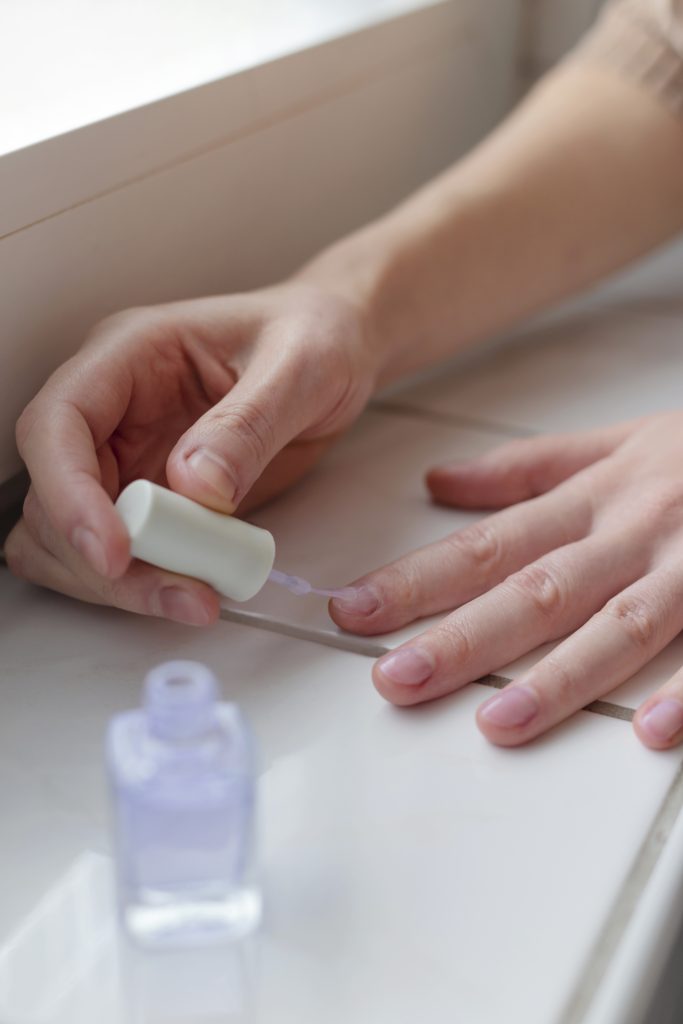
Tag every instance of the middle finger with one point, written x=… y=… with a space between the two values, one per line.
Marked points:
x=617 y=641
x=467 y=563
x=544 y=601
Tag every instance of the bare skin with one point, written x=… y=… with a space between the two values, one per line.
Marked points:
x=230 y=399
x=175 y=394
x=588 y=546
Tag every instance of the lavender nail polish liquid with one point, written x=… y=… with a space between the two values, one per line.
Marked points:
x=182 y=776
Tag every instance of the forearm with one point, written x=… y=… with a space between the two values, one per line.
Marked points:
x=585 y=176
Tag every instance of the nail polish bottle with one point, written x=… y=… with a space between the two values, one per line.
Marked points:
x=182 y=779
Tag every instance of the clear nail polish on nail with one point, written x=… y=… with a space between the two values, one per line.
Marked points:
x=408 y=666
x=515 y=706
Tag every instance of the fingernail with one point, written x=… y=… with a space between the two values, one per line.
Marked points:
x=664 y=720
x=213 y=471
x=183 y=606
x=408 y=666
x=358 y=601
x=515 y=706
x=88 y=544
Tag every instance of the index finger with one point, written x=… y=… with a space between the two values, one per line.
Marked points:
x=58 y=446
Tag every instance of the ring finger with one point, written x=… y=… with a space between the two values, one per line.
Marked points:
x=617 y=641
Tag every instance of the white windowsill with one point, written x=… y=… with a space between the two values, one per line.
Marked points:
x=69 y=63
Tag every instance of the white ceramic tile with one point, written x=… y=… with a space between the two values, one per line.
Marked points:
x=591 y=370
x=413 y=871
x=633 y=988
x=365 y=505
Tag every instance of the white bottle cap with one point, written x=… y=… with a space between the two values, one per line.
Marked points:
x=175 y=533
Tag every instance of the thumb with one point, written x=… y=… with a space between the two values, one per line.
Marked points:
x=522 y=469
x=218 y=459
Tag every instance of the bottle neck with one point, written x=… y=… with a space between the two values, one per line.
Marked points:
x=181 y=702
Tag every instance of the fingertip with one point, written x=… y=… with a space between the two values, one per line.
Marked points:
x=652 y=742
x=500 y=737
x=659 y=725
x=399 y=696
x=118 y=551
x=649 y=742
x=197 y=605
x=105 y=546
x=446 y=471
x=511 y=717
x=444 y=483
x=470 y=485
x=400 y=675
x=356 y=610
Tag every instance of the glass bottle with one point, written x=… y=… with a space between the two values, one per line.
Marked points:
x=182 y=776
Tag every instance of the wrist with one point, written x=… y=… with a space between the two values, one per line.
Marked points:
x=354 y=270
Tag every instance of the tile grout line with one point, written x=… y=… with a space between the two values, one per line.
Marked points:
x=350 y=644
x=625 y=904
x=391 y=407
x=359 y=645
x=596 y=707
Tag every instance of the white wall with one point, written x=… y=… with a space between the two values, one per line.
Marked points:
x=553 y=26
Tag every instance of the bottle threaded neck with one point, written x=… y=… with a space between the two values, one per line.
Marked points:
x=180 y=700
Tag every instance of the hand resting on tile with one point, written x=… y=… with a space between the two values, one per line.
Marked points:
x=588 y=545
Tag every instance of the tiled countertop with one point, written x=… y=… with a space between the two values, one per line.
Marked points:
x=413 y=872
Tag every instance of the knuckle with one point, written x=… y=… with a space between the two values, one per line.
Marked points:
x=541 y=588
x=252 y=426
x=123 y=593
x=563 y=683
x=403 y=582
x=138 y=590
x=132 y=326
x=127 y=319
x=664 y=503
x=480 y=544
x=636 y=618
x=454 y=641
